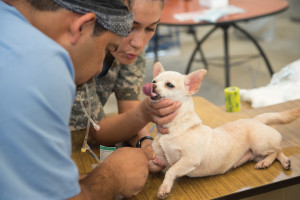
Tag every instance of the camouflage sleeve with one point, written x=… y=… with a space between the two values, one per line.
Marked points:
x=105 y=85
x=78 y=120
x=125 y=80
x=130 y=79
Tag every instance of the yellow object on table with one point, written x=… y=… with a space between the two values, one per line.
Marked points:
x=232 y=99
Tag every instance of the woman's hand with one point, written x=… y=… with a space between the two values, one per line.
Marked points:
x=161 y=112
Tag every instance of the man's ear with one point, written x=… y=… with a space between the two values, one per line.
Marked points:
x=193 y=81
x=79 y=23
x=157 y=69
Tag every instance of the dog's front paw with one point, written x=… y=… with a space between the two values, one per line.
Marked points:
x=163 y=191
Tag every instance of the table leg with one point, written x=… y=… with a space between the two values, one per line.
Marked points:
x=257 y=46
x=226 y=54
x=197 y=48
x=194 y=33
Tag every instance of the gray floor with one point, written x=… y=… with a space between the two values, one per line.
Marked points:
x=279 y=36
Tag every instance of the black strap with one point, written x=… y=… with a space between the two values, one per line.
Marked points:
x=139 y=142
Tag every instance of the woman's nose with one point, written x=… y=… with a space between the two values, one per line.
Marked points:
x=137 y=40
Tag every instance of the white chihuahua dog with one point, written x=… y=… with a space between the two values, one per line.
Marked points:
x=194 y=149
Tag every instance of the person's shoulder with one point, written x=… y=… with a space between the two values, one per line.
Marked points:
x=27 y=50
x=19 y=32
x=19 y=40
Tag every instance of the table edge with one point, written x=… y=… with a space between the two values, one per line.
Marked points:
x=261 y=189
x=222 y=23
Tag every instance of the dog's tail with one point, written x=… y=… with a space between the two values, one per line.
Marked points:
x=284 y=117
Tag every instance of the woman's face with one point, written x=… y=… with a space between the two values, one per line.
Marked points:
x=146 y=17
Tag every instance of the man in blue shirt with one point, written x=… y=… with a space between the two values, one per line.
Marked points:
x=37 y=89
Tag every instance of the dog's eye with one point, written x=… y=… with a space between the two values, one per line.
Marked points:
x=153 y=81
x=170 y=85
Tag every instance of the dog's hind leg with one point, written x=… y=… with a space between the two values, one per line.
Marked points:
x=180 y=168
x=249 y=155
x=267 y=161
x=284 y=160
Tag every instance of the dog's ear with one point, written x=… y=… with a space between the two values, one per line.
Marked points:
x=157 y=69
x=194 y=80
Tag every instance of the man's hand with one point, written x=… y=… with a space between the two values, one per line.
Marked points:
x=123 y=173
x=155 y=165
x=130 y=166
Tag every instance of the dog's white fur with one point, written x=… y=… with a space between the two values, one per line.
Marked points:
x=194 y=149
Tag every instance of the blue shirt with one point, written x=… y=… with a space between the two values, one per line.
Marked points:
x=37 y=91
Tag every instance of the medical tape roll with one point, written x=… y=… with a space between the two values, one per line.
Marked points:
x=232 y=99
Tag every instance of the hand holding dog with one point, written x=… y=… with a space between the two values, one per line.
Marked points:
x=155 y=165
x=160 y=112
x=130 y=166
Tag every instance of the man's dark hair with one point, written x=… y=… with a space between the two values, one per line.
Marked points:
x=50 y=5
x=44 y=5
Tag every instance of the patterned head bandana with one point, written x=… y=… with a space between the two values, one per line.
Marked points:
x=113 y=15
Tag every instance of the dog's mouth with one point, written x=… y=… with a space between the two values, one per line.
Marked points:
x=156 y=98
x=149 y=90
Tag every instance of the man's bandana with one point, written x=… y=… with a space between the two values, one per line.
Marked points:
x=112 y=15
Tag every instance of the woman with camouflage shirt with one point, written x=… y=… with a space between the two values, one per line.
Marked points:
x=125 y=79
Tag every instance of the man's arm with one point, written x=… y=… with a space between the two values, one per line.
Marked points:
x=124 y=173
x=101 y=183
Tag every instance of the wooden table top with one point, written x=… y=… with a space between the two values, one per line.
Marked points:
x=238 y=183
x=254 y=9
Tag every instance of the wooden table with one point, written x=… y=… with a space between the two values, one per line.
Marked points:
x=242 y=182
x=254 y=9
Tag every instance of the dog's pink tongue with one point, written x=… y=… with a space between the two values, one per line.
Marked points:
x=147 y=89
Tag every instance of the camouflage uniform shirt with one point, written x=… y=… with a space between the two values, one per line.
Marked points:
x=124 y=80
